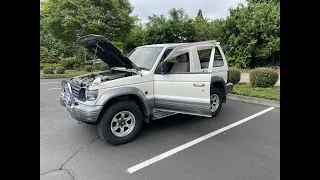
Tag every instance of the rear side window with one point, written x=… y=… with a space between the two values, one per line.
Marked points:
x=218 y=60
x=204 y=57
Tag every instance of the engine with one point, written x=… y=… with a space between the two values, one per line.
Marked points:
x=86 y=81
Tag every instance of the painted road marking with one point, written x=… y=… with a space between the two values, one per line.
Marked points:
x=51 y=83
x=191 y=143
x=53 y=89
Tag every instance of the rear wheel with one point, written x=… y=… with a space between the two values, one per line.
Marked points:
x=120 y=123
x=215 y=101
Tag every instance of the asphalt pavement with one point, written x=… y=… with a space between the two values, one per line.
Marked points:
x=248 y=150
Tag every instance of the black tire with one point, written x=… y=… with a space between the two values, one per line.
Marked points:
x=216 y=91
x=104 y=123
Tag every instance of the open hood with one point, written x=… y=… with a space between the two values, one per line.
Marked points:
x=106 y=51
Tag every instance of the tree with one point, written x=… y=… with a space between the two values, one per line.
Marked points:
x=69 y=19
x=261 y=1
x=253 y=34
x=52 y=48
x=177 y=28
x=199 y=15
x=136 y=38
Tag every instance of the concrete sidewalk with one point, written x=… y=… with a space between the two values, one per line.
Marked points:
x=245 y=78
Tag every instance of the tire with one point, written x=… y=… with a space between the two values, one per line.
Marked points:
x=216 y=93
x=107 y=120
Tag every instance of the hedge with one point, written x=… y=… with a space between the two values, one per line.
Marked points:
x=263 y=77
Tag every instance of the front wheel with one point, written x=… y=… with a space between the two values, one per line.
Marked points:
x=215 y=101
x=120 y=123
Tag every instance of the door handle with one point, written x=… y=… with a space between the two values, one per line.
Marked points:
x=198 y=84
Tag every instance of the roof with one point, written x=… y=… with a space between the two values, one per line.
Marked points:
x=163 y=45
x=173 y=44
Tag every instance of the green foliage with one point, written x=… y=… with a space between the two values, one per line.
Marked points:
x=136 y=38
x=54 y=65
x=68 y=63
x=52 y=48
x=263 y=77
x=101 y=66
x=88 y=68
x=66 y=74
x=60 y=70
x=48 y=70
x=177 y=28
x=253 y=34
x=246 y=89
x=199 y=15
x=48 y=59
x=235 y=75
x=260 y=1
x=69 y=19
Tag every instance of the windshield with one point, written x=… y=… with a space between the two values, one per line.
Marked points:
x=145 y=57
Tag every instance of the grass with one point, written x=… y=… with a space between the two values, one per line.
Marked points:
x=54 y=65
x=245 y=89
x=66 y=74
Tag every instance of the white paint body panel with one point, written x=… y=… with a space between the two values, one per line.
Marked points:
x=144 y=83
x=182 y=93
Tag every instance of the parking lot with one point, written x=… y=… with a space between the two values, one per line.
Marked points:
x=233 y=145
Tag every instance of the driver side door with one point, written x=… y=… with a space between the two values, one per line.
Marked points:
x=186 y=91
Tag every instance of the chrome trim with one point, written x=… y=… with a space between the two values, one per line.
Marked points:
x=82 y=112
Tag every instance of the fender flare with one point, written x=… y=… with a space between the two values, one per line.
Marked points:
x=104 y=98
x=219 y=79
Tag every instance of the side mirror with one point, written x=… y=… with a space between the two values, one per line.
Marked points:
x=160 y=68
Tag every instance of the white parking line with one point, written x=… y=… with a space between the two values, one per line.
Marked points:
x=51 y=83
x=191 y=143
x=53 y=89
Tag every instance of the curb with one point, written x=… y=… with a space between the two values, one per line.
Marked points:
x=254 y=100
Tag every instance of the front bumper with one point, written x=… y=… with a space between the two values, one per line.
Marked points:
x=229 y=87
x=82 y=112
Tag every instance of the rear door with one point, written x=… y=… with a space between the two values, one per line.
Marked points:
x=186 y=91
x=219 y=66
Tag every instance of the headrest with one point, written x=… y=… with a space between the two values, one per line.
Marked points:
x=182 y=58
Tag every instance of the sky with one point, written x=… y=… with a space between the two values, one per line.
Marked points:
x=212 y=9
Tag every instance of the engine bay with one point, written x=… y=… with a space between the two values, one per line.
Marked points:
x=86 y=80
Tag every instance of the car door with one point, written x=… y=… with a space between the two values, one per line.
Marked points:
x=186 y=92
x=219 y=64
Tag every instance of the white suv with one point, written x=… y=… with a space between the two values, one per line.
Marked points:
x=152 y=82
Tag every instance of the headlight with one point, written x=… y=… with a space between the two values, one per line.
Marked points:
x=91 y=95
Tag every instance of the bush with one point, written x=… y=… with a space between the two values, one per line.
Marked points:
x=60 y=70
x=88 y=68
x=68 y=63
x=234 y=75
x=101 y=67
x=88 y=63
x=43 y=65
x=48 y=60
x=48 y=70
x=263 y=77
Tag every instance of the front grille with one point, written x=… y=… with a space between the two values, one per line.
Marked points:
x=78 y=92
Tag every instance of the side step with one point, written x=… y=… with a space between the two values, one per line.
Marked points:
x=161 y=114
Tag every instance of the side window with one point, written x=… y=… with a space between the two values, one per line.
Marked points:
x=178 y=64
x=204 y=57
x=165 y=54
x=218 y=60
